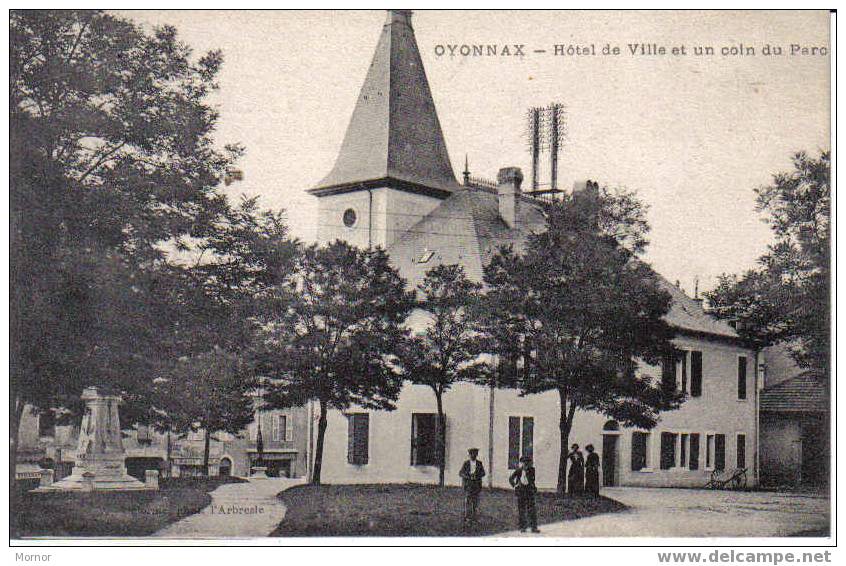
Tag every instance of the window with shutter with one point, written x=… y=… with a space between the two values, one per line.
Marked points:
x=720 y=452
x=684 y=446
x=274 y=426
x=289 y=429
x=694 y=451
x=521 y=432
x=358 y=438
x=741 y=377
x=424 y=439
x=526 y=448
x=695 y=374
x=683 y=363
x=668 y=450
x=640 y=445
x=513 y=442
x=741 y=450
x=709 y=451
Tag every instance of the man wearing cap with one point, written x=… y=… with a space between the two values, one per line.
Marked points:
x=471 y=474
x=523 y=482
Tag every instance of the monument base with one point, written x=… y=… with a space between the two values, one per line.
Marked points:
x=71 y=483
x=259 y=473
x=103 y=475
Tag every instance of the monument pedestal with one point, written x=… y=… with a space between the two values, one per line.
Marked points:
x=100 y=455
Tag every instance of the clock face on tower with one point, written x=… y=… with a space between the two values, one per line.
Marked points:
x=349 y=218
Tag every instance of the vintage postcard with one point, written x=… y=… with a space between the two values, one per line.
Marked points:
x=493 y=277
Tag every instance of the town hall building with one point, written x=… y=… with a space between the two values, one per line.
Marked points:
x=393 y=185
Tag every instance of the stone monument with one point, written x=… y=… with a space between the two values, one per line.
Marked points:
x=100 y=455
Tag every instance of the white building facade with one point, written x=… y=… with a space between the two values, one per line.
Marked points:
x=393 y=186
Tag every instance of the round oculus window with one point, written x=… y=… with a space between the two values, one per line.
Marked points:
x=349 y=218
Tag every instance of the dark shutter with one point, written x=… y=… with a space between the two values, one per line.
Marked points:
x=351 y=439
x=668 y=450
x=668 y=373
x=638 y=451
x=741 y=450
x=513 y=442
x=695 y=374
x=528 y=436
x=683 y=450
x=424 y=439
x=694 y=451
x=683 y=356
x=741 y=377
x=358 y=447
x=720 y=452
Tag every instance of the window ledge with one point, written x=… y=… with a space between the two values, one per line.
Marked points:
x=644 y=470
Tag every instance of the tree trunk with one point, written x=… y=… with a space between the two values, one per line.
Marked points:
x=564 y=426
x=318 y=451
x=440 y=434
x=206 y=453
x=169 y=455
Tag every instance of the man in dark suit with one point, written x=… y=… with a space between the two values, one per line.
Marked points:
x=523 y=482
x=471 y=474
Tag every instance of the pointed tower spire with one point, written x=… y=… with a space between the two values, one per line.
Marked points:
x=466 y=170
x=394 y=136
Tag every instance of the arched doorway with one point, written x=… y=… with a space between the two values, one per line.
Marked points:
x=225 y=469
x=610 y=453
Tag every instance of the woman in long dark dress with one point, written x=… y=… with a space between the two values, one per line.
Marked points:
x=576 y=475
x=592 y=472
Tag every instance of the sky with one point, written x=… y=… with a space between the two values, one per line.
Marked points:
x=692 y=135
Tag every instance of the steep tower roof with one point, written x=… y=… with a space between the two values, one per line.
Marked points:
x=394 y=134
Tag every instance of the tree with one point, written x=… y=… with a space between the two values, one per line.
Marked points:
x=226 y=280
x=229 y=275
x=333 y=334
x=577 y=310
x=447 y=350
x=112 y=163
x=211 y=392
x=787 y=297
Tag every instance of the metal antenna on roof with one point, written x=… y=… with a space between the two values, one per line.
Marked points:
x=557 y=133
x=696 y=288
x=534 y=130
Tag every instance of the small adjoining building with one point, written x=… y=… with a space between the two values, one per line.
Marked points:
x=393 y=185
x=795 y=424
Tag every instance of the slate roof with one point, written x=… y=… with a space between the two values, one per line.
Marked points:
x=394 y=132
x=466 y=229
x=802 y=394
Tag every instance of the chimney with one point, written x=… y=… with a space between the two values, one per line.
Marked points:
x=508 y=182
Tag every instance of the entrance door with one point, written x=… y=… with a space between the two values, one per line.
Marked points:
x=609 y=459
